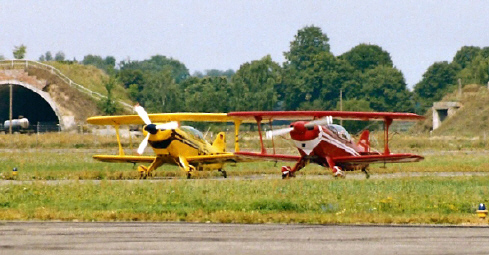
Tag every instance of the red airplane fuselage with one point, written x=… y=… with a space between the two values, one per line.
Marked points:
x=318 y=143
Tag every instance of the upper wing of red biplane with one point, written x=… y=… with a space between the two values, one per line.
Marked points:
x=307 y=115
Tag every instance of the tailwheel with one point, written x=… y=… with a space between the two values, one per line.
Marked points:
x=189 y=175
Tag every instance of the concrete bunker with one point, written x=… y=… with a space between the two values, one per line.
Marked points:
x=31 y=103
x=443 y=110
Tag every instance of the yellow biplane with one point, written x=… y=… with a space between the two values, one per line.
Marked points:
x=184 y=146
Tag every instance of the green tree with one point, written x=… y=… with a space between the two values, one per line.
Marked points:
x=366 y=56
x=306 y=75
x=465 y=55
x=439 y=79
x=215 y=73
x=157 y=64
x=161 y=93
x=316 y=84
x=253 y=85
x=107 y=64
x=108 y=105
x=385 y=89
x=308 y=42
x=476 y=72
x=208 y=94
x=2 y=57
x=60 y=56
x=360 y=105
x=48 y=56
x=19 y=51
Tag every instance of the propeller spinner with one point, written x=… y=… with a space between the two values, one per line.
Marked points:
x=152 y=129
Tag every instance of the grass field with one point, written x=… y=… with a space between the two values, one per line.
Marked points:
x=209 y=198
x=414 y=200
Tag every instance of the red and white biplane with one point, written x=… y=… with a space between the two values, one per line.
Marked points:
x=320 y=141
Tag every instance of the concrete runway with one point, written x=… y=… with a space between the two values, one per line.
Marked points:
x=193 y=238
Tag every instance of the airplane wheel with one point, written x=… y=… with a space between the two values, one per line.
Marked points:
x=339 y=173
x=224 y=174
x=189 y=175
x=286 y=175
x=286 y=170
x=143 y=175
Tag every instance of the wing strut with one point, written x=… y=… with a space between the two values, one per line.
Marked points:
x=387 y=123
x=271 y=129
x=237 y=123
x=121 y=150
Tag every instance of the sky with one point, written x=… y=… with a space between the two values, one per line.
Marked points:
x=224 y=34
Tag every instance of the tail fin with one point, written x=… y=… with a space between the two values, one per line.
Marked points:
x=364 y=141
x=220 y=142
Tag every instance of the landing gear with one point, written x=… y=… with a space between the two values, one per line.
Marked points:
x=143 y=172
x=338 y=173
x=189 y=175
x=367 y=175
x=287 y=172
x=224 y=173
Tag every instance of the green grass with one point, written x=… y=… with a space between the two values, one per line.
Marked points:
x=91 y=78
x=74 y=164
x=413 y=200
x=67 y=158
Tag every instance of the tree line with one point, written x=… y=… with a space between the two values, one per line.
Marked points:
x=311 y=78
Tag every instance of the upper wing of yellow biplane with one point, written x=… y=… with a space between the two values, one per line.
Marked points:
x=159 y=118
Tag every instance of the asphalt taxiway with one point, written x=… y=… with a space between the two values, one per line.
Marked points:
x=201 y=238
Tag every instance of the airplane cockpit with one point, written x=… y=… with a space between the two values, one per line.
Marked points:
x=192 y=131
x=340 y=131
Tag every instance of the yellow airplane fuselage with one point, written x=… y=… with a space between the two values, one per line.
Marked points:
x=182 y=143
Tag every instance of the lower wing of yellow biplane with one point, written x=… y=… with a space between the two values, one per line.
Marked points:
x=203 y=159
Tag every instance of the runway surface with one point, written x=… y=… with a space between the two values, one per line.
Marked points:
x=193 y=238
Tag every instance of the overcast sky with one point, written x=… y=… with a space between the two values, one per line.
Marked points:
x=215 y=34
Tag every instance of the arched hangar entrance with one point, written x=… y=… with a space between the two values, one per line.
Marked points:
x=29 y=102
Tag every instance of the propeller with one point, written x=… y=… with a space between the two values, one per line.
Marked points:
x=143 y=144
x=142 y=114
x=281 y=131
x=326 y=120
x=151 y=128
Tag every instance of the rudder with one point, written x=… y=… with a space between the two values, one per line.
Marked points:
x=220 y=142
x=364 y=141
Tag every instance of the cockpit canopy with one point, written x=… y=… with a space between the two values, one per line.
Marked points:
x=192 y=131
x=340 y=131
